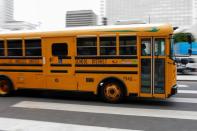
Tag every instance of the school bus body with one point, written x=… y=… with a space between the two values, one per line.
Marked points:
x=88 y=73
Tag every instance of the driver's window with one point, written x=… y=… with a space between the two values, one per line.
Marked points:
x=146 y=47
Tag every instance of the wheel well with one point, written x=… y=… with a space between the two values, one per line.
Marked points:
x=111 y=79
x=6 y=77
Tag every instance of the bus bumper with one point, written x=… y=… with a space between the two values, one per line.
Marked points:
x=174 y=90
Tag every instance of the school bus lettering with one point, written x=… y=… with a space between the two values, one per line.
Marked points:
x=127 y=78
x=99 y=61
x=81 y=61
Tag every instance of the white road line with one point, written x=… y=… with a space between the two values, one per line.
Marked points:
x=183 y=100
x=190 y=115
x=187 y=91
x=9 y=124
x=182 y=86
x=187 y=77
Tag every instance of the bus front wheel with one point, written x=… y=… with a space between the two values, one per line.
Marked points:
x=112 y=92
x=5 y=86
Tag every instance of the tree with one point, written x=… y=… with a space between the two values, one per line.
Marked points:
x=183 y=37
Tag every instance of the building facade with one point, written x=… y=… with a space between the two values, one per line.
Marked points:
x=19 y=25
x=193 y=29
x=81 y=18
x=6 y=11
x=176 y=12
x=195 y=11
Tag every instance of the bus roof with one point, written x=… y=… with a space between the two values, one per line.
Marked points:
x=163 y=29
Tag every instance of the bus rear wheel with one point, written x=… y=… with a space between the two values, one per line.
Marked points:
x=5 y=86
x=112 y=92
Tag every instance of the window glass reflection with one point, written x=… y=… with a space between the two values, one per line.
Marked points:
x=146 y=47
x=159 y=47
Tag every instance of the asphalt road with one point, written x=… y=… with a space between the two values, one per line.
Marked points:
x=33 y=110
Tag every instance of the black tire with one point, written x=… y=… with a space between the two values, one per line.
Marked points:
x=5 y=86
x=112 y=92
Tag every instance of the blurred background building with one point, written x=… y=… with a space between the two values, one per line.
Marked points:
x=177 y=12
x=195 y=11
x=103 y=19
x=81 y=18
x=19 y=25
x=6 y=11
x=7 y=21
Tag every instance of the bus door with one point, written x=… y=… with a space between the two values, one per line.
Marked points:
x=153 y=51
x=59 y=69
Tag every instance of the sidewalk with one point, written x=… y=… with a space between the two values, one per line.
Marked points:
x=187 y=77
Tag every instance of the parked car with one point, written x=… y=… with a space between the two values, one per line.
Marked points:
x=187 y=65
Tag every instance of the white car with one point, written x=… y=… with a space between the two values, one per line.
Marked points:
x=187 y=65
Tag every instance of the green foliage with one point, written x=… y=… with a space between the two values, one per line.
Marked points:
x=183 y=37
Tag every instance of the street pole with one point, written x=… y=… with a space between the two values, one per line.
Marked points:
x=149 y=19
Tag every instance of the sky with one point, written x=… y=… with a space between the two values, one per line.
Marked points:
x=50 y=13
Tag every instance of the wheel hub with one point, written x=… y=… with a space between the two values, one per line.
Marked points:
x=3 y=87
x=112 y=92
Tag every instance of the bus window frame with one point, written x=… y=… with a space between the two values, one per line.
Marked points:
x=86 y=37
x=172 y=55
x=3 y=48
x=22 y=48
x=135 y=46
x=107 y=46
x=25 y=48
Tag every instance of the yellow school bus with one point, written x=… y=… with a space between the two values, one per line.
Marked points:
x=111 y=61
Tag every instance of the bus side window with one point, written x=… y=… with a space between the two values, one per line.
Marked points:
x=160 y=47
x=2 y=52
x=128 y=45
x=33 y=47
x=146 y=47
x=107 y=45
x=60 y=49
x=86 y=46
x=14 y=48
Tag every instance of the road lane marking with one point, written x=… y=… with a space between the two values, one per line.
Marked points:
x=182 y=100
x=182 y=86
x=190 y=115
x=186 y=77
x=187 y=91
x=9 y=124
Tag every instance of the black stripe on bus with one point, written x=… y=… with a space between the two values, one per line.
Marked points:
x=20 y=57
x=67 y=65
x=20 y=64
x=106 y=57
x=106 y=65
x=30 y=57
x=16 y=70
x=106 y=72
x=59 y=71
x=64 y=57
